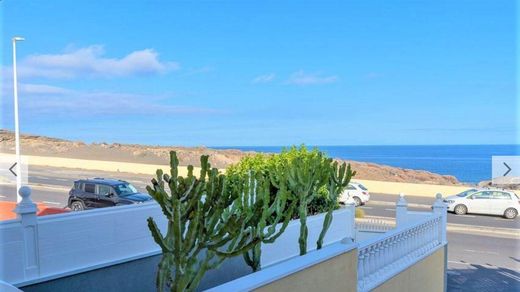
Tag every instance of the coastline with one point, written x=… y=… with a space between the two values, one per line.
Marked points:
x=150 y=156
x=374 y=186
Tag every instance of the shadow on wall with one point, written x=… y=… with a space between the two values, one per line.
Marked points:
x=482 y=278
x=135 y=276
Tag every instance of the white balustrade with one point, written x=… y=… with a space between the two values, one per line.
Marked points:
x=373 y=225
x=384 y=256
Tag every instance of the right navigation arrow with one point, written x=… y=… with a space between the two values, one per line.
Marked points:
x=508 y=169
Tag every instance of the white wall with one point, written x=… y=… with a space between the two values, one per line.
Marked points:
x=11 y=251
x=75 y=242
x=286 y=246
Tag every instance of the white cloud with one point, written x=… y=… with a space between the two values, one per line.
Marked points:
x=302 y=78
x=91 y=62
x=38 y=99
x=28 y=88
x=266 y=78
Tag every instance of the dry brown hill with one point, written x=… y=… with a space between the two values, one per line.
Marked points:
x=46 y=146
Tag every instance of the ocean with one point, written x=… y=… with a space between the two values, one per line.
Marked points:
x=468 y=163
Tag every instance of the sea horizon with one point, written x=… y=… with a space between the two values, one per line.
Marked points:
x=468 y=163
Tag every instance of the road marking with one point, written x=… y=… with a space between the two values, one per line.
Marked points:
x=481 y=251
x=61 y=179
x=2 y=196
x=364 y=207
x=40 y=177
x=52 y=203
x=390 y=209
x=459 y=263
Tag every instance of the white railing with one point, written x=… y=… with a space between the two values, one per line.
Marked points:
x=373 y=225
x=382 y=257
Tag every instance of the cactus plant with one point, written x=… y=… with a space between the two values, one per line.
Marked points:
x=338 y=181
x=207 y=221
x=274 y=211
x=305 y=176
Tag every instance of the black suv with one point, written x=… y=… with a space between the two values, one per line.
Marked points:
x=100 y=192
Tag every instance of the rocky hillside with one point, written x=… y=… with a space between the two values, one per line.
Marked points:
x=45 y=146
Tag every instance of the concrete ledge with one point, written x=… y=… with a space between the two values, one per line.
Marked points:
x=427 y=274
x=262 y=279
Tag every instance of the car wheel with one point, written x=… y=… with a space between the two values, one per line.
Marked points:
x=357 y=201
x=460 y=210
x=77 y=206
x=510 y=213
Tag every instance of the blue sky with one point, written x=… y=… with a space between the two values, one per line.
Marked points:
x=265 y=72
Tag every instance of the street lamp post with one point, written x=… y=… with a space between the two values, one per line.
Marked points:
x=16 y=124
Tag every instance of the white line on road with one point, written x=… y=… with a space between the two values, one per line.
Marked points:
x=40 y=177
x=365 y=207
x=469 y=216
x=390 y=209
x=52 y=203
x=2 y=196
x=459 y=263
x=481 y=251
x=61 y=179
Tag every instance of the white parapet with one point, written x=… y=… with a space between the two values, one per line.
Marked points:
x=286 y=246
x=417 y=235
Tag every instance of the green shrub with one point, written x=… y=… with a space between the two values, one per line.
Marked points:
x=313 y=180
x=321 y=201
x=264 y=163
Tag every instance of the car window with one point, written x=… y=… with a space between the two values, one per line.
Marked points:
x=362 y=187
x=466 y=193
x=125 y=189
x=351 y=187
x=482 y=195
x=501 y=196
x=104 y=190
x=77 y=185
x=90 y=188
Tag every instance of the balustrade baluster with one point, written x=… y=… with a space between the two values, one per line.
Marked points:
x=361 y=270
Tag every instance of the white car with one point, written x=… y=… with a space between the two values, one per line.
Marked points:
x=484 y=201
x=355 y=192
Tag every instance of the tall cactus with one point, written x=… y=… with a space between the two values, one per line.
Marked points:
x=207 y=222
x=274 y=211
x=305 y=176
x=338 y=181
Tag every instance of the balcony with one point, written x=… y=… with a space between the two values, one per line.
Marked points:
x=60 y=250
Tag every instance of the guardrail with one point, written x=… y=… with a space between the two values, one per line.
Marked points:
x=382 y=257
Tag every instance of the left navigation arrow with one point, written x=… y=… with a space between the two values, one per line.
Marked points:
x=11 y=169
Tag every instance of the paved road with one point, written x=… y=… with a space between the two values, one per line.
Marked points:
x=51 y=185
x=475 y=262
x=384 y=205
x=483 y=263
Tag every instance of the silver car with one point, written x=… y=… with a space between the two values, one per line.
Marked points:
x=485 y=201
